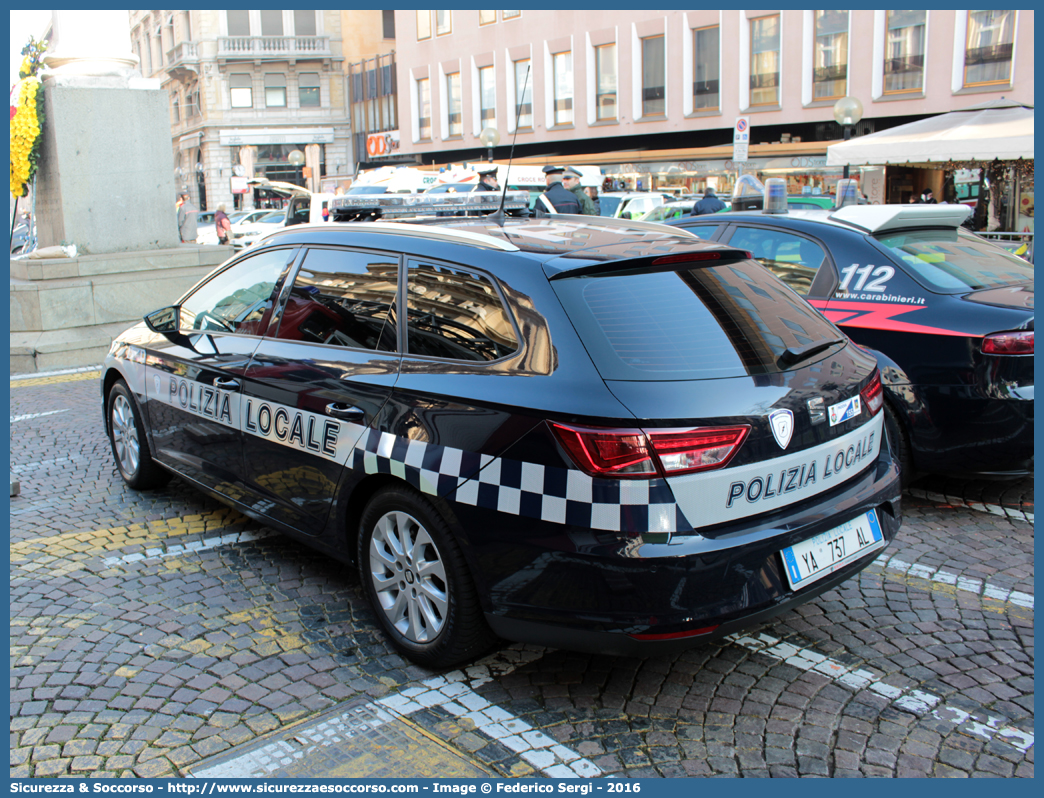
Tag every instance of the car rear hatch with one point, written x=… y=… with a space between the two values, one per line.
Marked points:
x=700 y=342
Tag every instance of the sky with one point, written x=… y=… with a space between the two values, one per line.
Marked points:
x=23 y=25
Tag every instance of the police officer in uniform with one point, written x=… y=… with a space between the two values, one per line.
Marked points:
x=571 y=182
x=488 y=180
x=556 y=198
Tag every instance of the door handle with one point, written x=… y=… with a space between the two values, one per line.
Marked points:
x=338 y=410
x=226 y=385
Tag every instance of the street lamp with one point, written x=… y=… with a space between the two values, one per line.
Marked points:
x=296 y=158
x=848 y=111
x=490 y=138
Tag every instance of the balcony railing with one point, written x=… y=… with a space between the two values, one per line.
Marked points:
x=230 y=47
x=183 y=52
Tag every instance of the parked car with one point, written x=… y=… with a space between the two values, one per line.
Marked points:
x=628 y=204
x=579 y=432
x=673 y=209
x=950 y=315
x=19 y=238
x=251 y=234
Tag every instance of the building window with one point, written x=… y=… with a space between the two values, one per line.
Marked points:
x=653 y=77
x=175 y=110
x=271 y=22
x=453 y=113
x=562 y=66
x=511 y=14
x=706 y=71
x=275 y=90
x=308 y=89
x=605 y=90
x=238 y=23
x=388 y=23
x=443 y=23
x=423 y=25
x=487 y=96
x=241 y=90
x=523 y=94
x=904 y=51
x=991 y=37
x=148 y=55
x=764 y=61
x=830 y=75
x=487 y=17
x=304 y=23
x=424 y=109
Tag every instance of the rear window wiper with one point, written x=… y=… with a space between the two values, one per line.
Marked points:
x=795 y=354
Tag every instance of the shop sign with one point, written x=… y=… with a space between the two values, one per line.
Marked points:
x=239 y=185
x=378 y=144
x=304 y=135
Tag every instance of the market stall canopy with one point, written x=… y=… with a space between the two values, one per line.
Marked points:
x=995 y=130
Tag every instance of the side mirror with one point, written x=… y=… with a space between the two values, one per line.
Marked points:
x=164 y=320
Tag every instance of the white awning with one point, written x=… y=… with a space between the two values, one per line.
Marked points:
x=1000 y=129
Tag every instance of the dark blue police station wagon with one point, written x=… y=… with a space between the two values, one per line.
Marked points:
x=580 y=432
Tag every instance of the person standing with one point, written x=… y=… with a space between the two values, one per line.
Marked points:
x=488 y=180
x=556 y=198
x=927 y=198
x=709 y=204
x=223 y=226
x=592 y=192
x=571 y=182
x=187 y=220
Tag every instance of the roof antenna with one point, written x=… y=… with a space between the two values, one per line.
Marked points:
x=499 y=216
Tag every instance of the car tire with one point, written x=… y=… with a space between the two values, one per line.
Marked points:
x=900 y=445
x=130 y=444
x=418 y=583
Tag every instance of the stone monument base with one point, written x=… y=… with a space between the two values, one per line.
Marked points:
x=65 y=312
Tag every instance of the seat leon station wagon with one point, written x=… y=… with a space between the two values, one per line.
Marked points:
x=586 y=433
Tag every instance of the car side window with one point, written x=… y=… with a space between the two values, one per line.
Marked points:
x=343 y=298
x=239 y=299
x=456 y=314
x=704 y=231
x=793 y=259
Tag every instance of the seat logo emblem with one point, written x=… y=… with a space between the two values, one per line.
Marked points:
x=782 y=423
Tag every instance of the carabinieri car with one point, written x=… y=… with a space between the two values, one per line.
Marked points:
x=586 y=433
x=949 y=315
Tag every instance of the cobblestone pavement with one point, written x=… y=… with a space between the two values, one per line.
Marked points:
x=162 y=634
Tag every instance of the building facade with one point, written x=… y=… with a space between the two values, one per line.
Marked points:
x=654 y=97
x=248 y=91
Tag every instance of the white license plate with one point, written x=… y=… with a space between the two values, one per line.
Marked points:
x=820 y=556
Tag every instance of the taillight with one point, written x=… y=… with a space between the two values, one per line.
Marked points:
x=873 y=393
x=701 y=449
x=643 y=454
x=608 y=452
x=1008 y=343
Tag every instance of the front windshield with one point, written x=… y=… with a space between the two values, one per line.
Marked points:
x=954 y=261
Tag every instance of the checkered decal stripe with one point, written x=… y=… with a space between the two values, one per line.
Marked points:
x=557 y=495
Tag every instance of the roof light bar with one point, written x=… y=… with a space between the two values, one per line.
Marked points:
x=389 y=206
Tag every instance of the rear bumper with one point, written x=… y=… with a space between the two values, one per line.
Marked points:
x=962 y=432
x=588 y=591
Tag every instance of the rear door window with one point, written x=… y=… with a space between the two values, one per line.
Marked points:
x=457 y=314
x=793 y=259
x=955 y=262
x=725 y=321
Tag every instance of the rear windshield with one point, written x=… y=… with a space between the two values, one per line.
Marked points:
x=725 y=321
x=954 y=261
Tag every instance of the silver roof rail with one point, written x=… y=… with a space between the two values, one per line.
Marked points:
x=414 y=231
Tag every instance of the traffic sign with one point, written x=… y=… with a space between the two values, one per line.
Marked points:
x=741 y=138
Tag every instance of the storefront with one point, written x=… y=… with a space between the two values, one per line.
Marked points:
x=289 y=155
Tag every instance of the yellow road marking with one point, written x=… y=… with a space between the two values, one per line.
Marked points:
x=32 y=381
